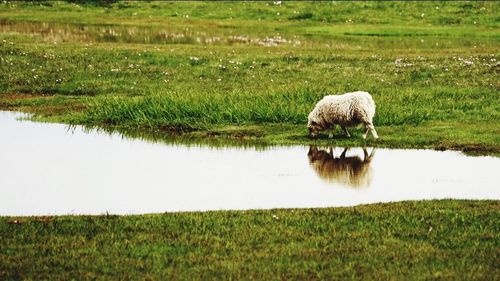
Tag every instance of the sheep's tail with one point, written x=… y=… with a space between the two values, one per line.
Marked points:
x=366 y=106
x=372 y=107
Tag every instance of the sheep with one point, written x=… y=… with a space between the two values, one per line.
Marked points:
x=347 y=110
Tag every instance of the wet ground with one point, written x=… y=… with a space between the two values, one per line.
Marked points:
x=212 y=33
x=51 y=169
x=100 y=33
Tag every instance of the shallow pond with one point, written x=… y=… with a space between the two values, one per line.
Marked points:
x=49 y=169
x=213 y=33
x=169 y=34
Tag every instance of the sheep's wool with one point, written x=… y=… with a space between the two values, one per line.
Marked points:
x=346 y=110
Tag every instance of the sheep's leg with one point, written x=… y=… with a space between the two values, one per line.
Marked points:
x=331 y=128
x=342 y=156
x=367 y=129
x=312 y=150
x=372 y=130
x=371 y=155
x=346 y=131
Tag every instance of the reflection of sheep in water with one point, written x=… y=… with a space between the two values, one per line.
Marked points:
x=347 y=110
x=351 y=171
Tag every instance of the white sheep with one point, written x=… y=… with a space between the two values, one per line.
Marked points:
x=347 y=110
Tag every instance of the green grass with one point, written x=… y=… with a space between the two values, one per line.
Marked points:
x=444 y=240
x=214 y=67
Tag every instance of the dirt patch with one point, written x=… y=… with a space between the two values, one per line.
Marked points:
x=14 y=222
x=42 y=104
x=473 y=149
x=236 y=134
x=175 y=129
x=7 y=101
x=18 y=96
x=12 y=101
x=59 y=109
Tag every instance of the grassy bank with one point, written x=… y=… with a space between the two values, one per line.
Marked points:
x=450 y=240
x=255 y=70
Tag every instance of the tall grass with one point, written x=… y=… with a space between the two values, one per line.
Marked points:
x=195 y=111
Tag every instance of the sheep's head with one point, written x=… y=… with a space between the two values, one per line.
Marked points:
x=314 y=128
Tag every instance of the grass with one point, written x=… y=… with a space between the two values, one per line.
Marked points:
x=445 y=240
x=207 y=68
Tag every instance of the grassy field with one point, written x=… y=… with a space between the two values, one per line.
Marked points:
x=248 y=73
x=255 y=70
x=436 y=240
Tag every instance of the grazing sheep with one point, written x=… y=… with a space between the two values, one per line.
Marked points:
x=347 y=110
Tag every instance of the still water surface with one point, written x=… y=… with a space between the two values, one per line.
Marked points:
x=48 y=169
x=172 y=32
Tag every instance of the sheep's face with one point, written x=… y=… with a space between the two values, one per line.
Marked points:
x=314 y=128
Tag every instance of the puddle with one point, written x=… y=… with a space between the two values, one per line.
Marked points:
x=66 y=32
x=212 y=33
x=71 y=32
x=46 y=169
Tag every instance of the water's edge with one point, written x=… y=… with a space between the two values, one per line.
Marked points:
x=48 y=169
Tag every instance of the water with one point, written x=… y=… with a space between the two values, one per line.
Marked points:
x=178 y=32
x=48 y=169
x=170 y=33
